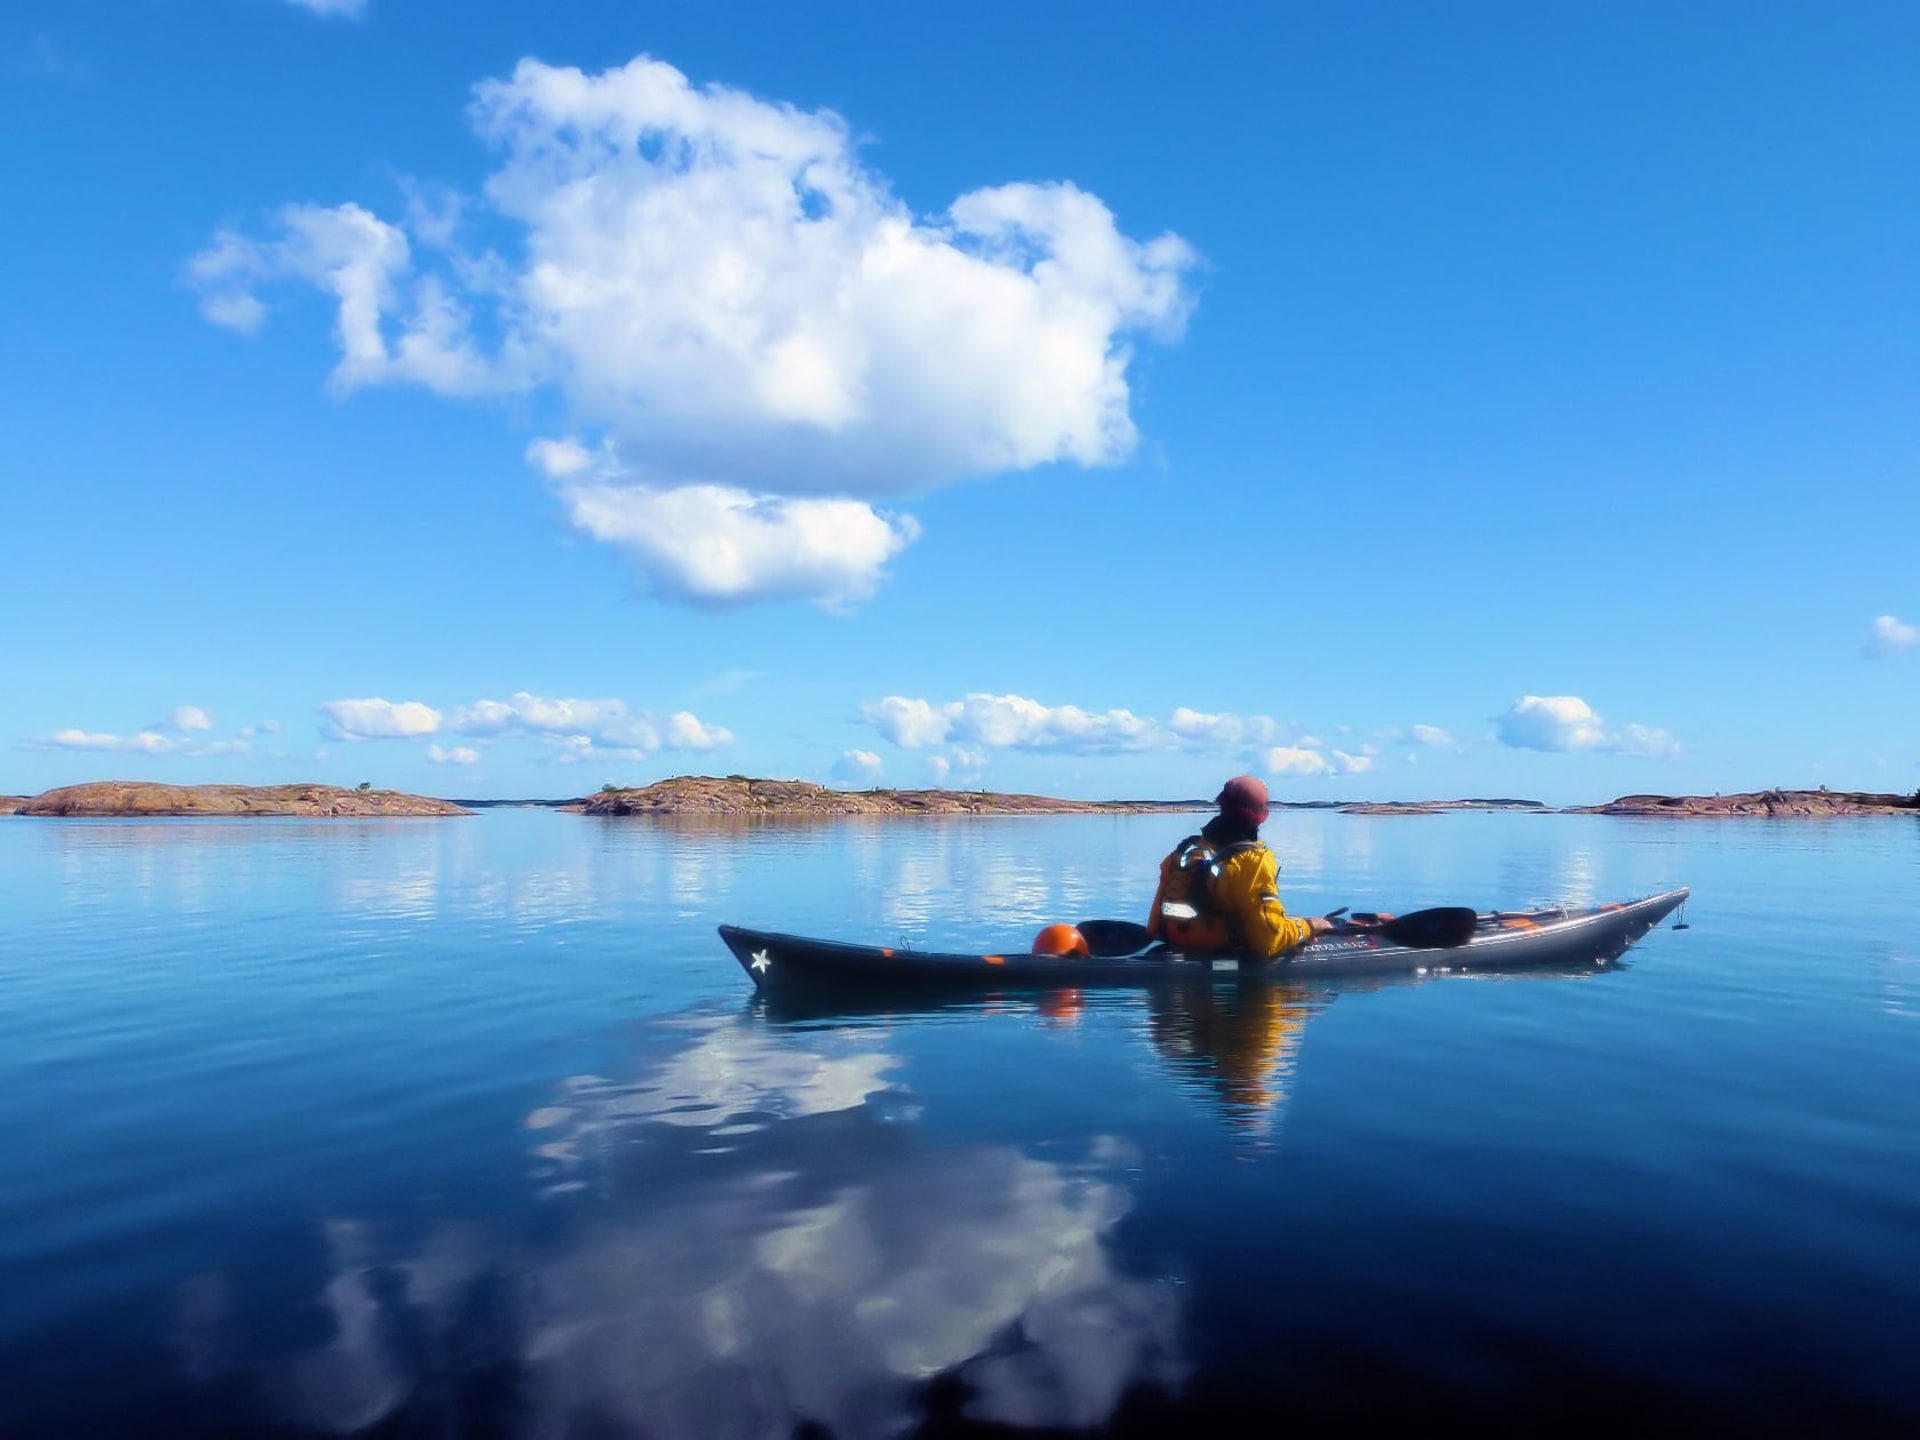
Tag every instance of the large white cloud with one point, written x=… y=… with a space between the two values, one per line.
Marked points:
x=744 y=311
x=1566 y=722
x=1891 y=636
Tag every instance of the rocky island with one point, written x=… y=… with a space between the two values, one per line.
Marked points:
x=1439 y=807
x=1795 y=803
x=139 y=797
x=800 y=799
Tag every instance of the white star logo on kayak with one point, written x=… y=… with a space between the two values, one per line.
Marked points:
x=760 y=961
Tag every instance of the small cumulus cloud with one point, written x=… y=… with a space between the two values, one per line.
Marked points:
x=937 y=767
x=1562 y=723
x=858 y=767
x=721 y=545
x=907 y=722
x=189 y=717
x=1307 y=760
x=686 y=731
x=1294 y=760
x=364 y=263
x=763 y=338
x=560 y=459
x=1891 y=636
x=458 y=755
x=1431 y=736
x=378 y=719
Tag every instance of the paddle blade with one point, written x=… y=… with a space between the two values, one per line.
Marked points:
x=1438 y=929
x=1114 y=937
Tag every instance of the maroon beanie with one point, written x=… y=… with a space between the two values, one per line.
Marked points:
x=1244 y=795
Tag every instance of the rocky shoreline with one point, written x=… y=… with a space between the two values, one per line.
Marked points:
x=136 y=798
x=738 y=796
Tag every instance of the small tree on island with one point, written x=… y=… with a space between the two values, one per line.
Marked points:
x=610 y=788
x=364 y=786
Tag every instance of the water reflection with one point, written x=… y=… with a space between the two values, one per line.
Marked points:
x=729 y=1079
x=752 y=1235
x=1240 y=1045
x=1235 y=1043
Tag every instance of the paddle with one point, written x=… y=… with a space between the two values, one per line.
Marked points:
x=1441 y=928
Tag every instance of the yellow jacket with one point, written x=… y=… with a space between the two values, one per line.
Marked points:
x=1239 y=910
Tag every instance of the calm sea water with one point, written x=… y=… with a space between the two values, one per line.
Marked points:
x=473 y=1128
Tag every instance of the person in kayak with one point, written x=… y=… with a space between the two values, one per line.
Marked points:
x=1219 y=890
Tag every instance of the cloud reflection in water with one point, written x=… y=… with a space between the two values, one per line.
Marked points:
x=751 y=1234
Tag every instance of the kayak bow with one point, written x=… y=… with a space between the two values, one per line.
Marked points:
x=1503 y=940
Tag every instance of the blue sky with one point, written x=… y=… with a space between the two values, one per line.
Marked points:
x=1394 y=400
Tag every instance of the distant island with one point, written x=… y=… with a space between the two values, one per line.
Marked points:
x=740 y=795
x=137 y=797
x=1794 y=803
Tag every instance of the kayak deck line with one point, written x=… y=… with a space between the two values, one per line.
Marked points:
x=1558 y=936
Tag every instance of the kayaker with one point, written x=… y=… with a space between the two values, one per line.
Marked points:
x=1220 y=890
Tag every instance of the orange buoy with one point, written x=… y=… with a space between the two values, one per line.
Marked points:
x=1060 y=940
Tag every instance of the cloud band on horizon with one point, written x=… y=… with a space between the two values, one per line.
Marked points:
x=578 y=730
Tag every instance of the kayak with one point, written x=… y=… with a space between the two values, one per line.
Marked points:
x=1500 y=940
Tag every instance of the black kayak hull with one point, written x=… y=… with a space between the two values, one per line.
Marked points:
x=1502 y=941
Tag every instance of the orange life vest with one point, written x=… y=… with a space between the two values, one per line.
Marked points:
x=1190 y=914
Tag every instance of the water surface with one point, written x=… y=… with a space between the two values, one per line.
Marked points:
x=472 y=1127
